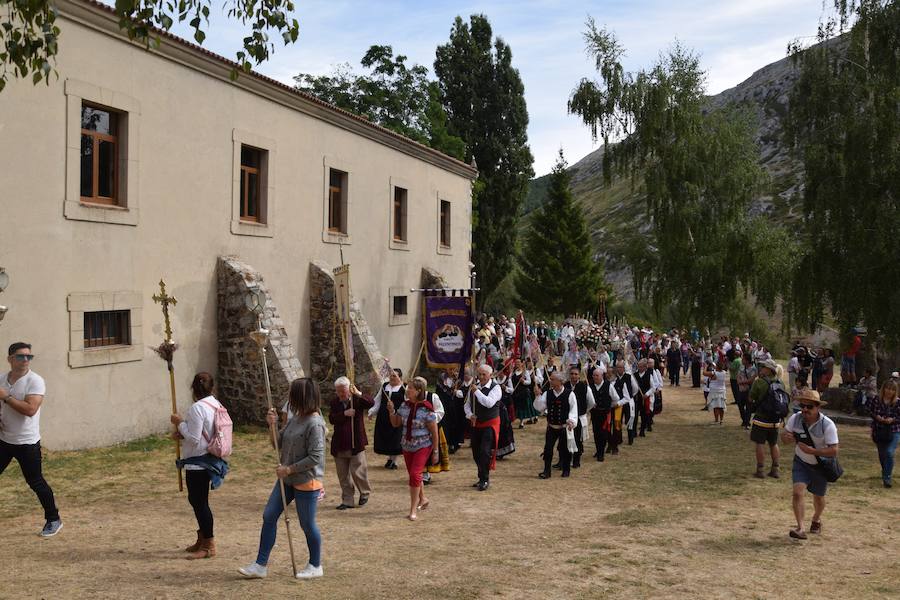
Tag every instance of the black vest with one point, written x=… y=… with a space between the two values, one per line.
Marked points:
x=558 y=406
x=483 y=414
x=644 y=381
x=620 y=384
x=602 y=396
x=581 y=396
x=519 y=389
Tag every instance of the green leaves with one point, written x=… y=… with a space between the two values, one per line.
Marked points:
x=557 y=274
x=394 y=95
x=29 y=36
x=844 y=124
x=28 y=40
x=483 y=96
x=699 y=171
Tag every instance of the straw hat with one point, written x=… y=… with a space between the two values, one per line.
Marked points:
x=810 y=395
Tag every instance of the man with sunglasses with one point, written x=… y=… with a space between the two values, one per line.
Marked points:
x=21 y=396
x=815 y=436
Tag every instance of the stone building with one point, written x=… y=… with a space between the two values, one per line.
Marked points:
x=140 y=164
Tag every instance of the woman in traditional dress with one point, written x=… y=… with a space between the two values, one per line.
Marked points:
x=522 y=380
x=506 y=441
x=443 y=463
x=387 y=437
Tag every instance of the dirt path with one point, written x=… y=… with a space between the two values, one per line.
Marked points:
x=675 y=515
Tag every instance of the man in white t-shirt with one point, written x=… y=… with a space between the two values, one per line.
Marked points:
x=21 y=395
x=820 y=441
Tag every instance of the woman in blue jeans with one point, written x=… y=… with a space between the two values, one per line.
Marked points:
x=885 y=410
x=301 y=472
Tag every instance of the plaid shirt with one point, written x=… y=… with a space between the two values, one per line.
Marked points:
x=879 y=408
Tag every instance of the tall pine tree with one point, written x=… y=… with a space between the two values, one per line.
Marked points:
x=557 y=274
x=485 y=103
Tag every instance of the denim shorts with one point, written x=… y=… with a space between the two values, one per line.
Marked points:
x=804 y=472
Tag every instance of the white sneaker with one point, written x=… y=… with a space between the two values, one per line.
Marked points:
x=309 y=572
x=254 y=571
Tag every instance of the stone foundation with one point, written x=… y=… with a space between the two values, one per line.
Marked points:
x=240 y=381
x=326 y=353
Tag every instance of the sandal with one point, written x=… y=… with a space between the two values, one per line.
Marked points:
x=424 y=505
x=815 y=527
x=797 y=534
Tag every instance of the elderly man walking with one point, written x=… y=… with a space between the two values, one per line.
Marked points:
x=348 y=443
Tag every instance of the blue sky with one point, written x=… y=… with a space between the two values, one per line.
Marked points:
x=733 y=38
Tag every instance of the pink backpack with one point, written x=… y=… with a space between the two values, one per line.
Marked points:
x=223 y=429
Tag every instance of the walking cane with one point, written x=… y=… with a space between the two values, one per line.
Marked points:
x=256 y=302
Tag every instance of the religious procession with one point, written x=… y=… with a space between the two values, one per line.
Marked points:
x=623 y=299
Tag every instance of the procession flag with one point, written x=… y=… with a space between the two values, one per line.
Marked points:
x=447 y=330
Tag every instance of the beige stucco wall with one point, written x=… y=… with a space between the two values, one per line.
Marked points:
x=184 y=181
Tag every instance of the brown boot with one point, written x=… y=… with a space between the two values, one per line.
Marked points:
x=760 y=474
x=196 y=545
x=207 y=549
x=773 y=473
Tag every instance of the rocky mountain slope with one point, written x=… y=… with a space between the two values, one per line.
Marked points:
x=612 y=209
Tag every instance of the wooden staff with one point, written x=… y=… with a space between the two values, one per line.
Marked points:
x=166 y=351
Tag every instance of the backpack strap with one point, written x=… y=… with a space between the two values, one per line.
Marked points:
x=203 y=430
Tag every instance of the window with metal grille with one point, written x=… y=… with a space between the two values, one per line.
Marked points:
x=107 y=328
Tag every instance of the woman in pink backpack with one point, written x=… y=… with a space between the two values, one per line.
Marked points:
x=202 y=469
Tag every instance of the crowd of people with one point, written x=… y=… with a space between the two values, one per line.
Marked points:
x=773 y=412
x=599 y=383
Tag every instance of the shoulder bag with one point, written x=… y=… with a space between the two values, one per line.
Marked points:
x=828 y=465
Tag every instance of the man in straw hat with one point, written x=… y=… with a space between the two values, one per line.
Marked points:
x=766 y=420
x=815 y=436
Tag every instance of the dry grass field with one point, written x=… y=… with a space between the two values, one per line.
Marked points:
x=677 y=515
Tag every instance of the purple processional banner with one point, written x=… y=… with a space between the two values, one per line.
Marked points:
x=447 y=329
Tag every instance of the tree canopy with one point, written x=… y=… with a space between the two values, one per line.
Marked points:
x=485 y=102
x=557 y=273
x=844 y=124
x=392 y=94
x=29 y=36
x=696 y=248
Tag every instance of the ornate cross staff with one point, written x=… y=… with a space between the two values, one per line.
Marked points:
x=166 y=351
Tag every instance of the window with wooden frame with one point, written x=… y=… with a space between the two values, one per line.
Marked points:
x=107 y=328
x=399 y=213
x=251 y=195
x=337 y=201
x=99 y=155
x=445 y=224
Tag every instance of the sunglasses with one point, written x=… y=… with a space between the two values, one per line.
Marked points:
x=23 y=357
x=808 y=406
